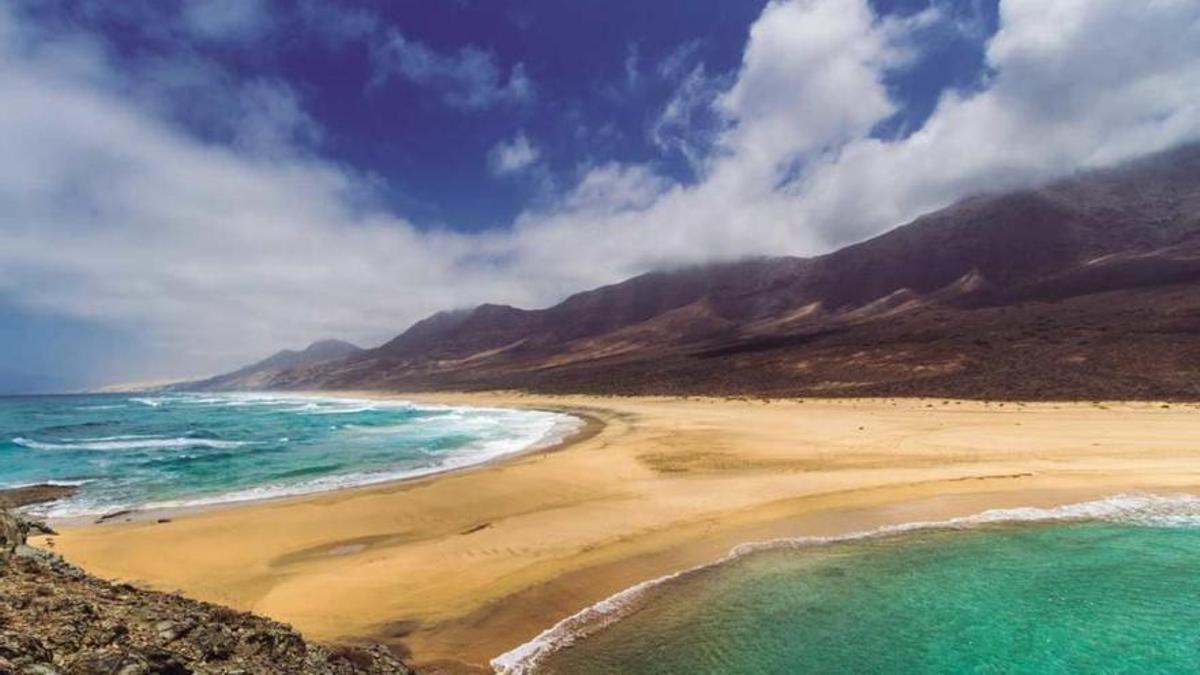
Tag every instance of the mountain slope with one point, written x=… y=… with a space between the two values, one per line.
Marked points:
x=260 y=373
x=1083 y=288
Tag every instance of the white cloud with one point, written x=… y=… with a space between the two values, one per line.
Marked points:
x=468 y=79
x=336 y=24
x=225 y=19
x=510 y=157
x=811 y=78
x=272 y=121
x=632 y=56
x=1074 y=84
x=688 y=123
x=221 y=253
x=216 y=253
x=679 y=61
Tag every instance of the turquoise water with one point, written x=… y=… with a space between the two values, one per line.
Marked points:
x=192 y=449
x=1108 y=587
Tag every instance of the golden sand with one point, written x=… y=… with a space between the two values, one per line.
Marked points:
x=462 y=567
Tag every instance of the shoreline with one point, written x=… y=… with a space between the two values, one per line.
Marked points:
x=584 y=426
x=663 y=485
x=527 y=657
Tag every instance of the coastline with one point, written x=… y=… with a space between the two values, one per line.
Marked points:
x=663 y=485
x=1147 y=508
x=583 y=426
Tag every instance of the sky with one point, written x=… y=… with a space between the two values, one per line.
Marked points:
x=190 y=185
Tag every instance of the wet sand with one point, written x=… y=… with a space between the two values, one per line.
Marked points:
x=461 y=567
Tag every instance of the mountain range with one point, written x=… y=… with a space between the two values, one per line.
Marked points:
x=1083 y=288
x=261 y=374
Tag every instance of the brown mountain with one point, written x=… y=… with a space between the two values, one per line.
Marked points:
x=260 y=373
x=1085 y=288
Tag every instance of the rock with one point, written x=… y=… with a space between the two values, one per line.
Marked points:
x=215 y=642
x=113 y=515
x=171 y=630
x=37 y=527
x=118 y=662
x=102 y=634
x=275 y=643
x=12 y=533
x=14 y=498
x=30 y=553
x=163 y=663
x=40 y=669
x=21 y=649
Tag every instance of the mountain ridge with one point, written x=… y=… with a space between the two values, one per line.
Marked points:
x=255 y=374
x=902 y=313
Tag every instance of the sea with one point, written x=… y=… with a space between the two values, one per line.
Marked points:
x=185 y=450
x=1105 y=586
x=1109 y=586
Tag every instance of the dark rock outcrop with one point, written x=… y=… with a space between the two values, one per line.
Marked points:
x=15 y=498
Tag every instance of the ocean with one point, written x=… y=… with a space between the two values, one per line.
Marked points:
x=1111 y=586
x=178 y=450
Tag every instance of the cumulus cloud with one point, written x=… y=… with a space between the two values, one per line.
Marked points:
x=225 y=19
x=632 y=75
x=678 y=61
x=221 y=252
x=468 y=79
x=1071 y=85
x=336 y=24
x=688 y=123
x=215 y=253
x=1075 y=85
x=513 y=156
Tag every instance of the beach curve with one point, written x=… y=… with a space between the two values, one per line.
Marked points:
x=665 y=485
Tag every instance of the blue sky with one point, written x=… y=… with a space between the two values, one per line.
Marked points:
x=419 y=94
x=196 y=183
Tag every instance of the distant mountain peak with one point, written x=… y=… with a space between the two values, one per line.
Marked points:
x=331 y=347
x=259 y=372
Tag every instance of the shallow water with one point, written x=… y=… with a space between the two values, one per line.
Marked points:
x=1117 y=594
x=191 y=449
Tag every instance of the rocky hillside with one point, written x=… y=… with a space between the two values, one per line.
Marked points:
x=1085 y=288
x=54 y=618
x=259 y=374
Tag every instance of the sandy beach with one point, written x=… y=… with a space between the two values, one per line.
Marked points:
x=461 y=567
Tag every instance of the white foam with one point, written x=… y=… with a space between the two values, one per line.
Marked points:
x=1146 y=510
x=58 y=483
x=139 y=444
x=522 y=430
x=121 y=437
x=305 y=400
x=477 y=453
x=342 y=411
